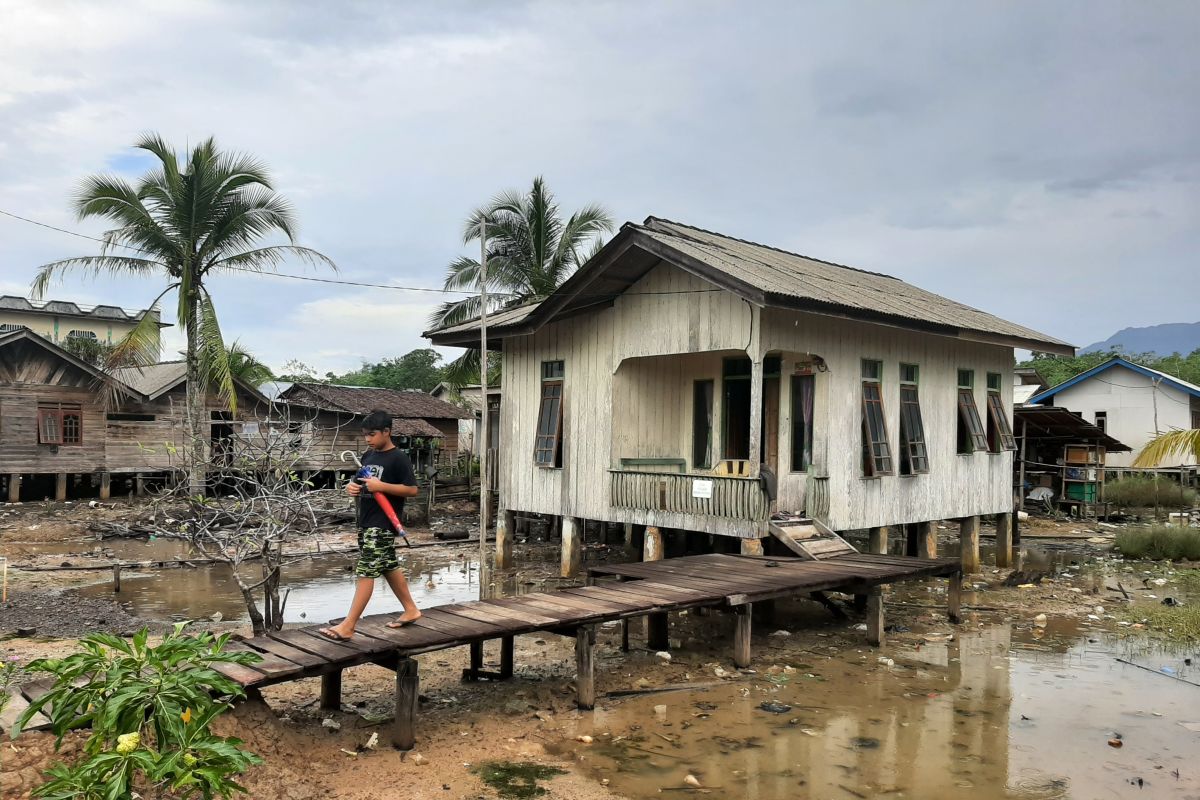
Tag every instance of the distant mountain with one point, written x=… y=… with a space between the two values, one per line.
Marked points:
x=1163 y=340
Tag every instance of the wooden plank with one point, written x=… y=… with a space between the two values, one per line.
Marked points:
x=293 y=654
x=461 y=627
x=490 y=618
x=402 y=638
x=483 y=609
x=644 y=603
x=532 y=604
x=270 y=664
x=570 y=615
x=328 y=649
x=358 y=644
x=245 y=676
x=656 y=594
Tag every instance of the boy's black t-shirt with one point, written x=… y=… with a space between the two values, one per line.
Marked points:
x=389 y=466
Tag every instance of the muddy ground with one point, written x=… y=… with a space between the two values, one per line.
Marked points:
x=645 y=736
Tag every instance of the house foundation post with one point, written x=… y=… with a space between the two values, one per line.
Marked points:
x=877 y=540
x=629 y=539
x=14 y=488
x=139 y=485
x=752 y=547
x=1004 y=544
x=741 y=635
x=408 y=684
x=657 y=626
x=875 y=624
x=585 y=671
x=572 y=547
x=505 y=526
x=927 y=539
x=60 y=487
x=968 y=533
x=105 y=485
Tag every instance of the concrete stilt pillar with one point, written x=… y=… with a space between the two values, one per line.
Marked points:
x=877 y=540
x=968 y=532
x=572 y=547
x=60 y=487
x=14 y=488
x=506 y=523
x=927 y=540
x=1004 y=542
x=752 y=547
x=105 y=485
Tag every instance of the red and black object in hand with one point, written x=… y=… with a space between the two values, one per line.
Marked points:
x=384 y=504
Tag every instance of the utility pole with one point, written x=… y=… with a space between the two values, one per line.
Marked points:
x=484 y=488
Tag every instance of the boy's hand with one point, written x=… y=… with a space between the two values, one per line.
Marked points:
x=353 y=489
x=373 y=485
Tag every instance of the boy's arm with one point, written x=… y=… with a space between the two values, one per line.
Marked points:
x=407 y=487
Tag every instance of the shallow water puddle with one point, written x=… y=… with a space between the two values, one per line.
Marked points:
x=320 y=589
x=997 y=714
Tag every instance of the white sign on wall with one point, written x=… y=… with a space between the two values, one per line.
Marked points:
x=702 y=489
x=250 y=429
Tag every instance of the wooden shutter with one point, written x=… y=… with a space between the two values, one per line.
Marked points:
x=877 y=458
x=912 y=430
x=969 y=415
x=1000 y=421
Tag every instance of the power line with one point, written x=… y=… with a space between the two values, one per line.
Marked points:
x=314 y=279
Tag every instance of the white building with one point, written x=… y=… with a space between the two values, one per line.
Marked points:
x=1131 y=403
x=653 y=386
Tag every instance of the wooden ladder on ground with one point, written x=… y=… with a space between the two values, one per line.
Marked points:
x=809 y=538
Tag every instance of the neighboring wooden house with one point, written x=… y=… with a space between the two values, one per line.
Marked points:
x=423 y=425
x=467 y=397
x=59 y=437
x=651 y=386
x=1132 y=403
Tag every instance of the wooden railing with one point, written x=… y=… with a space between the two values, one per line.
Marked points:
x=698 y=494
x=816 y=497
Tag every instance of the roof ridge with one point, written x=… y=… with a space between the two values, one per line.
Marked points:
x=753 y=243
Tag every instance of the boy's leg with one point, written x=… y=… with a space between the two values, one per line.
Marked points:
x=363 y=589
x=399 y=584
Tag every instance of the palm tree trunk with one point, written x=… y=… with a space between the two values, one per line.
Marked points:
x=196 y=392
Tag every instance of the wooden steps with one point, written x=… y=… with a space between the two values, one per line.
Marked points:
x=808 y=538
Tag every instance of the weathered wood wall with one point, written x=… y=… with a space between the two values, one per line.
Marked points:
x=615 y=407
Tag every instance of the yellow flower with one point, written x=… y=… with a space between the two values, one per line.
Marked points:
x=189 y=760
x=128 y=742
x=186 y=716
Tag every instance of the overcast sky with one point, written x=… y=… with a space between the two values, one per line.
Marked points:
x=1037 y=160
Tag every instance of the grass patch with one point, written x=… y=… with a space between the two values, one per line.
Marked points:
x=1160 y=543
x=1177 y=623
x=516 y=779
x=1140 y=491
x=1189 y=582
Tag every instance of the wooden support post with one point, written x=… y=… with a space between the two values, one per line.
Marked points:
x=968 y=531
x=1016 y=531
x=657 y=626
x=752 y=547
x=1004 y=546
x=105 y=485
x=875 y=634
x=629 y=540
x=954 y=598
x=117 y=577
x=572 y=547
x=741 y=635
x=60 y=487
x=331 y=691
x=139 y=485
x=1021 y=479
x=926 y=539
x=505 y=526
x=408 y=685
x=14 y=488
x=506 y=657
x=472 y=672
x=877 y=540
x=754 y=351
x=625 y=635
x=585 y=674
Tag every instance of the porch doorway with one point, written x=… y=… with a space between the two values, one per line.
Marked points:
x=735 y=417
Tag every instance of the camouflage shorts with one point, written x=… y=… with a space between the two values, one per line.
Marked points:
x=376 y=553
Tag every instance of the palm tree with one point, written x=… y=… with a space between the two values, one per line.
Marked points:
x=186 y=220
x=1176 y=442
x=531 y=251
x=245 y=367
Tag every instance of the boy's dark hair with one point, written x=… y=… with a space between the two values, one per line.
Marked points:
x=377 y=420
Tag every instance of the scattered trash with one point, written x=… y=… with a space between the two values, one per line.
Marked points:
x=1159 y=581
x=331 y=724
x=720 y=673
x=862 y=626
x=1114 y=742
x=372 y=742
x=660 y=711
x=692 y=780
x=664 y=656
x=897 y=628
x=418 y=760
x=1194 y=727
x=1040 y=620
x=774 y=707
x=1171 y=601
x=587 y=739
x=933 y=638
x=217 y=616
x=887 y=662
x=864 y=743
x=781 y=633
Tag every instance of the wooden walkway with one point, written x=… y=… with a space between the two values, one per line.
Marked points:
x=618 y=592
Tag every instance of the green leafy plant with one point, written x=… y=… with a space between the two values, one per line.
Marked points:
x=150 y=710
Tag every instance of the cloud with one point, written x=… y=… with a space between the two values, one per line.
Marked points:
x=1008 y=156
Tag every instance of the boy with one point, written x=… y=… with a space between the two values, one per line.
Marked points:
x=391 y=474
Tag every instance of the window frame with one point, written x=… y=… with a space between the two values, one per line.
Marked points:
x=968 y=417
x=59 y=413
x=1004 y=441
x=77 y=333
x=877 y=458
x=914 y=450
x=547 y=445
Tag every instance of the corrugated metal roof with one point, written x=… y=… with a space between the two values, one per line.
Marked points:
x=154 y=379
x=16 y=303
x=500 y=319
x=400 y=403
x=783 y=274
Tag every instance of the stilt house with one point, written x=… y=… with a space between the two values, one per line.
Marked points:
x=688 y=380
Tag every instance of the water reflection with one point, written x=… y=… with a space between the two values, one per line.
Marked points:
x=972 y=718
x=320 y=589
